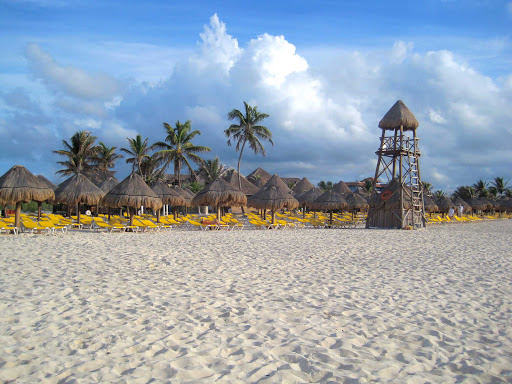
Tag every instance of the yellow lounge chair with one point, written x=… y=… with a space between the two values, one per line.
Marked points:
x=32 y=227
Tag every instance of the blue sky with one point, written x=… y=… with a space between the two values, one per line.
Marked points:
x=325 y=72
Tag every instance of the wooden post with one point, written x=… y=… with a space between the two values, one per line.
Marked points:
x=401 y=183
x=17 y=215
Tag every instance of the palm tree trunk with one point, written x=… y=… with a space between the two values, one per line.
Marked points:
x=238 y=169
x=179 y=173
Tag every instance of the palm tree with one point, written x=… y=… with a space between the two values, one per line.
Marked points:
x=80 y=153
x=212 y=170
x=325 y=186
x=150 y=167
x=481 y=188
x=249 y=131
x=439 y=193
x=138 y=150
x=106 y=157
x=178 y=148
x=427 y=187
x=465 y=193
x=500 y=184
x=368 y=185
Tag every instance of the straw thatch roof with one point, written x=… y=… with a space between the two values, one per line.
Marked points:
x=109 y=184
x=132 y=192
x=429 y=204
x=330 y=200
x=259 y=177
x=247 y=187
x=444 y=203
x=399 y=115
x=18 y=184
x=393 y=202
x=279 y=183
x=459 y=201
x=478 y=204
x=342 y=189
x=78 y=189
x=47 y=182
x=308 y=197
x=272 y=198
x=356 y=201
x=186 y=194
x=302 y=186
x=97 y=176
x=220 y=192
x=167 y=194
x=505 y=204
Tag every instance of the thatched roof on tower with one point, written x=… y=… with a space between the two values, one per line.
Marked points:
x=167 y=194
x=78 y=189
x=302 y=186
x=18 y=184
x=132 y=192
x=399 y=115
x=247 y=187
x=219 y=192
x=329 y=200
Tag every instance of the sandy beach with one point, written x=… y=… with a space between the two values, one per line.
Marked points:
x=326 y=306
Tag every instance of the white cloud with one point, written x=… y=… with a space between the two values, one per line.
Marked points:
x=70 y=80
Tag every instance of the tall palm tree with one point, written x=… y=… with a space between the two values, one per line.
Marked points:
x=138 y=150
x=465 y=193
x=247 y=130
x=150 y=167
x=178 y=148
x=106 y=157
x=80 y=153
x=500 y=184
x=212 y=170
x=481 y=188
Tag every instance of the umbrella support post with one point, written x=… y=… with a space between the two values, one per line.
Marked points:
x=39 y=210
x=17 y=215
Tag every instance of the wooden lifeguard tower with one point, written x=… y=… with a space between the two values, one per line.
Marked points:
x=400 y=204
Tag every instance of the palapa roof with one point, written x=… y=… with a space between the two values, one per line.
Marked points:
x=458 y=201
x=47 y=182
x=505 y=204
x=132 y=192
x=247 y=187
x=167 y=194
x=78 y=189
x=308 y=197
x=478 y=204
x=342 y=188
x=302 y=186
x=329 y=200
x=19 y=184
x=220 y=192
x=259 y=177
x=97 y=176
x=399 y=115
x=186 y=194
x=444 y=203
x=272 y=198
x=356 y=201
x=429 y=204
x=108 y=184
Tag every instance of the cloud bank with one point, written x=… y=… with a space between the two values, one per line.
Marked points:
x=324 y=118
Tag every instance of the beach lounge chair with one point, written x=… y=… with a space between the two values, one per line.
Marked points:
x=97 y=225
x=53 y=227
x=32 y=227
x=7 y=228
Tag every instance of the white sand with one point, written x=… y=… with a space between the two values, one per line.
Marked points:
x=259 y=306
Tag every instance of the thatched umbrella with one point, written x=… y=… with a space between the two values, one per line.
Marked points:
x=274 y=195
x=247 y=187
x=363 y=193
x=259 y=177
x=77 y=190
x=305 y=199
x=444 y=203
x=134 y=193
x=342 y=189
x=302 y=186
x=329 y=201
x=168 y=196
x=478 y=204
x=399 y=115
x=219 y=193
x=19 y=185
x=429 y=204
x=107 y=185
x=459 y=201
x=356 y=202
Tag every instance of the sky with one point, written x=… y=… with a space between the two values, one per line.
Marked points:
x=325 y=72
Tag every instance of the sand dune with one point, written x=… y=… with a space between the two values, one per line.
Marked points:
x=259 y=306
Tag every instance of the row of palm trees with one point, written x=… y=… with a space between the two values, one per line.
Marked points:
x=82 y=154
x=495 y=189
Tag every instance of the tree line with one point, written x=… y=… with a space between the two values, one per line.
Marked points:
x=151 y=161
